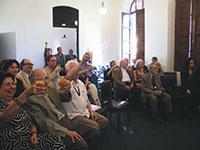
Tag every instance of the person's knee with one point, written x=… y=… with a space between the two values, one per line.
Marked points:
x=95 y=125
x=95 y=130
x=101 y=120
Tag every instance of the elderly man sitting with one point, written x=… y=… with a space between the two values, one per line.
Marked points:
x=154 y=92
x=79 y=108
x=122 y=81
x=45 y=106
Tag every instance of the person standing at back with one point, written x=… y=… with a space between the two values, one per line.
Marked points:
x=70 y=56
x=60 y=57
x=52 y=70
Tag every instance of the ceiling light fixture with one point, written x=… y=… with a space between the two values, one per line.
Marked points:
x=102 y=10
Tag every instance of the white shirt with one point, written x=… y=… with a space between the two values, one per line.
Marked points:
x=79 y=101
x=125 y=76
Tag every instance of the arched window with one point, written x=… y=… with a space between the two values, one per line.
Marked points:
x=133 y=31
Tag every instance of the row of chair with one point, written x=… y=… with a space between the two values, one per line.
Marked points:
x=110 y=105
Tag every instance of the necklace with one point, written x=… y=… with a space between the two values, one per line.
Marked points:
x=77 y=89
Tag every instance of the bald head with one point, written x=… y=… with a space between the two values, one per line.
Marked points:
x=38 y=74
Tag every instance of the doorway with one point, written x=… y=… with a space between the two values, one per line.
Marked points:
x=66 y=29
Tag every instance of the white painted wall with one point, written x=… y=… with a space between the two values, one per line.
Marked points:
x=67 y=43
x=31 y=20
x=159 y=32
x=126 y=5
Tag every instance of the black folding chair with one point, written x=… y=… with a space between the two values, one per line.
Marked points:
x=111 y=105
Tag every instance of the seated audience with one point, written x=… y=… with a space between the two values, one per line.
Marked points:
x=52 y=70
x=60 y=58
x=154 y=92
x=160 y=71
x=17 y=130
x=134 y=63
x=187 y=71
x=122 y=81
x=108 y=72
x=12 y=66
x=24 y=75
x=138 y=75
x=91 y=89
x=128 y=67
x=90 y=70
x=79 y=108
x=194 y=87
x=47 y=110
x=153 y=60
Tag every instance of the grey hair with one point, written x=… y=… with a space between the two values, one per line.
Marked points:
x=69 y=64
